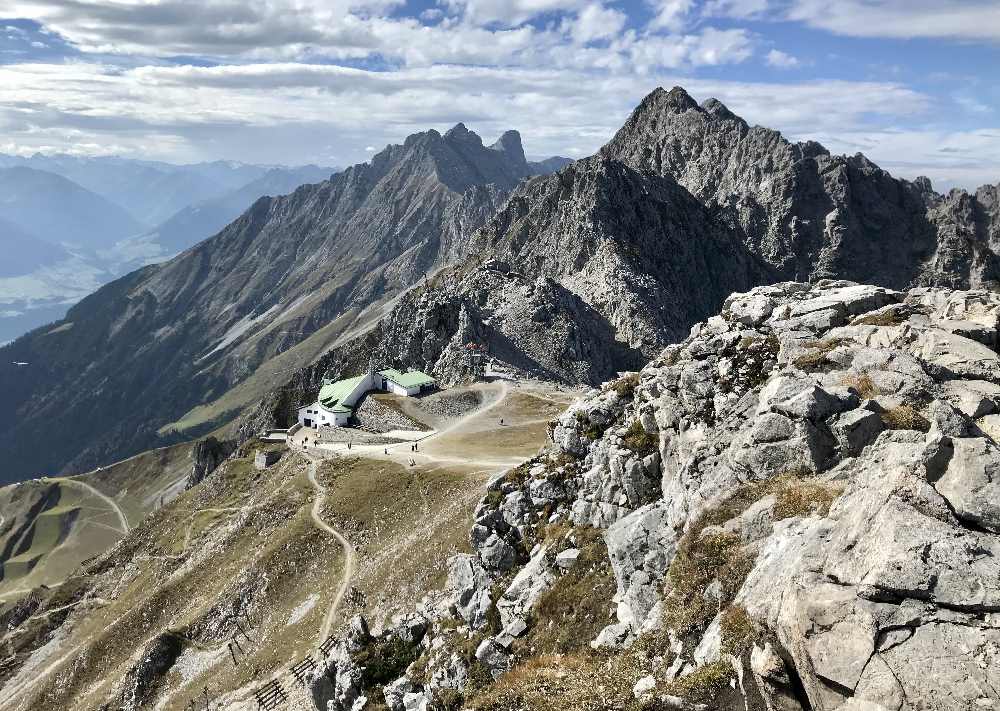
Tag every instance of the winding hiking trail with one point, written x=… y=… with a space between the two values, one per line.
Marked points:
x=124 y=528
x=350 y=555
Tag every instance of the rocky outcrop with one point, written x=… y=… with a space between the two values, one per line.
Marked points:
x=206 y=456
x=798 y=503
x=156 y=660
x=851 y=463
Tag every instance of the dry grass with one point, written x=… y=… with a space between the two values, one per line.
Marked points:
x=864 y=385
x=738 y=631
x=705 y=685
x=703 y=558
x=626 y=385
x=590 y=429
x=575 y=609
x=891 y=317
x=905 y=417
x=581 y=682
x=802 y=498
x=816 y=358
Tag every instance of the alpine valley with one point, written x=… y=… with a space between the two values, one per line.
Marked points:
x=715 y=425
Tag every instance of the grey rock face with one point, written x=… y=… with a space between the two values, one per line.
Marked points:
x=641 y=546
x=471 y=586
x=206 y=456
x=156 y=660
x=971 y=481
x=874 y=538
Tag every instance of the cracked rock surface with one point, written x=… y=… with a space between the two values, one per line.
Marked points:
x=885 y=594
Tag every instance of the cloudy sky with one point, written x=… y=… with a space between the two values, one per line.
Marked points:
x=911 y=83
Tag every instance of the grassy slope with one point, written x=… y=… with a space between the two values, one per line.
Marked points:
x=403 y=522
x=48 y=543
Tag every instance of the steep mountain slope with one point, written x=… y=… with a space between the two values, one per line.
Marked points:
x=204 y=219
x=684 y=205
x=58 y=210
x=142 y=351
x=247 y=555
x=807 y=212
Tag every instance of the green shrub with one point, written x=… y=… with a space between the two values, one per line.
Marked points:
x=385 y=660
x=705 y=684
x=590 y=429
x=738 y=631
x=639 y=440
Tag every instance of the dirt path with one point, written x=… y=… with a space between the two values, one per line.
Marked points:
x=124 y=528
x=350 y=556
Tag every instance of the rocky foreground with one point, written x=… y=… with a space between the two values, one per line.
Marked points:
x=800 y=504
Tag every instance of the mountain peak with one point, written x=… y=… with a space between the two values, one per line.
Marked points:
x=509 y=144
x=677 y=100
x=459 y=132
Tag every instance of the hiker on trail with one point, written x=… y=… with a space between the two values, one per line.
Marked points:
x=501 y=422
x=386 y=451
x=348 y=445
x=416 y=446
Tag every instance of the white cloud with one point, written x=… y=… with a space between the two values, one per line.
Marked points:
x=510 y=12
x=742 y=9
x=781 y=60
x=567 y=80
x=276 y=112
x=671 y=14
x=710 y=47
x=596 y=22
x=954 y=19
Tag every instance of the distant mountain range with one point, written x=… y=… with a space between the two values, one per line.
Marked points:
x=571 y=275
x=56 y=209
x=289 y=278
x=77 y=223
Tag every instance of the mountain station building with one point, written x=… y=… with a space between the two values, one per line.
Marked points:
x=335 y=404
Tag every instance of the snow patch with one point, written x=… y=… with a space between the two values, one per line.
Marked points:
x=236 y=331
x=302 y=610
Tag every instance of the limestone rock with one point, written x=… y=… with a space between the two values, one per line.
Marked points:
x=971 y=482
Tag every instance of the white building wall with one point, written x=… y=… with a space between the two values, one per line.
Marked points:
x=398 y=389
x=319 y=416
x=367 y=383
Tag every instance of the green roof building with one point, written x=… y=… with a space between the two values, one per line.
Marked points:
x=335 y=404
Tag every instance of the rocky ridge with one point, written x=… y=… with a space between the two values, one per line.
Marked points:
x=142 y=351
x=595 y=268
x=799 y=506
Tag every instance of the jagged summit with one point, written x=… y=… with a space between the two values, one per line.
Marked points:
x=510 y=145
x=459 y=132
